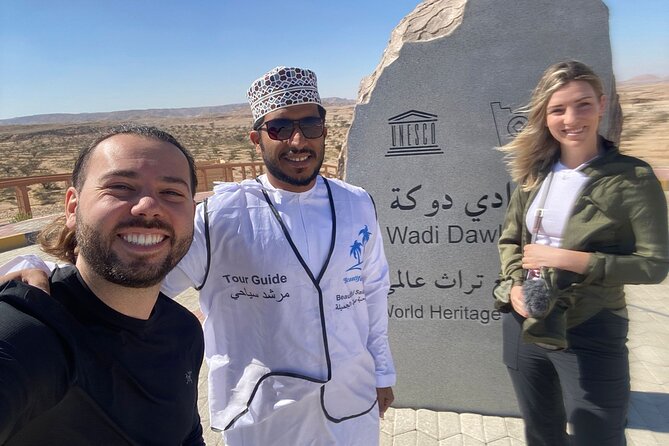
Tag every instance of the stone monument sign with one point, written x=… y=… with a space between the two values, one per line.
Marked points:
x=423 y=144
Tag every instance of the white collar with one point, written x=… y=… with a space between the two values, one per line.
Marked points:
x=288 y=194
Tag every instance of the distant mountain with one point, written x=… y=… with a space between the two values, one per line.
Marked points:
x=645 y=79
x=137 y=115
x=338 y=102
x=125 y=115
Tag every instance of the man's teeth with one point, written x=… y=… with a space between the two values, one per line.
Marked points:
x=297 y=158
x=143 y=239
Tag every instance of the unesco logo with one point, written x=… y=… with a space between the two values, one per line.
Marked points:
x=413 y=133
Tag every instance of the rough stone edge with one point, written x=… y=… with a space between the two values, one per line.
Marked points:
x=430 y=20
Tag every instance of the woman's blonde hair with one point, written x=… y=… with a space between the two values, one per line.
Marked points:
x=534 y=150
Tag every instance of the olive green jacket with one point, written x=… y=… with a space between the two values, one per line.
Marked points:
x=620 y=217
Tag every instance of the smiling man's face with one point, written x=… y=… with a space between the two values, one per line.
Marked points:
x=292 y=164
x=133 y=214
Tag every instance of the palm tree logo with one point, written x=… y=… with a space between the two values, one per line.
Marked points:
x=356 y=251
x=358 y=247
x=365 y=235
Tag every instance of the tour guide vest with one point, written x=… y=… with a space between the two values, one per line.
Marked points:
x=275 y=331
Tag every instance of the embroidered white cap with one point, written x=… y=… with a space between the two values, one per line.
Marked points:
x=282 y=87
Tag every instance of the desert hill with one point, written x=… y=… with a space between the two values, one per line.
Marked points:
x=644 y=79
x=135 y=115
x=646 y=121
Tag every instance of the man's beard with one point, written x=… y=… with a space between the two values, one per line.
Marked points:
x=274 y=168
x=138 y=273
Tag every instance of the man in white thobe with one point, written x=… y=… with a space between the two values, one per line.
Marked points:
x=293 y=283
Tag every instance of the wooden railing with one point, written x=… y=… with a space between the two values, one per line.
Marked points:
x=207 y=174
x=20 y=186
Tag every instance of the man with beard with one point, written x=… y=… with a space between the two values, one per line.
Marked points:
x=108 y=359
x=293 y=282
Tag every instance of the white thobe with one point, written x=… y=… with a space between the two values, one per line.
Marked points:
x=293 y=359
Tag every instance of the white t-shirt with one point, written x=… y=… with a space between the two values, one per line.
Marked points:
x=565 y=187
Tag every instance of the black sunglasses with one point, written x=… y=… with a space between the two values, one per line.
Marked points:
x=282 y=129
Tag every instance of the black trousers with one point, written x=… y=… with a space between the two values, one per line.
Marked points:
x=587 y=384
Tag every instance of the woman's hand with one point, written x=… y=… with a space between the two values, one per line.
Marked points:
x=33 y=277
x=518 y=301
x=537 y=256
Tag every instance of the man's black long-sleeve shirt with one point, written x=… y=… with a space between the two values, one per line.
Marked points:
x=74 y=371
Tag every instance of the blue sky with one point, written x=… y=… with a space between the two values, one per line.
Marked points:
x=74 y=56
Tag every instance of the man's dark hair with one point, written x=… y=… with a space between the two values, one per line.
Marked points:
x=81 y=165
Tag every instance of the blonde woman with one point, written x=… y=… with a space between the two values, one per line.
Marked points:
x=603 y=225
